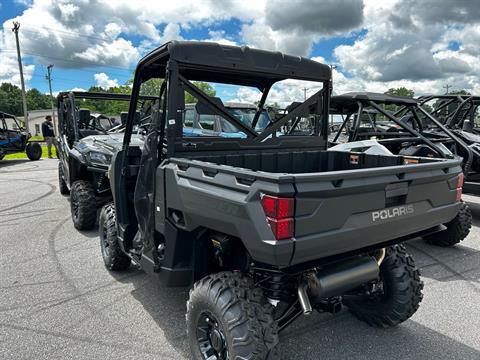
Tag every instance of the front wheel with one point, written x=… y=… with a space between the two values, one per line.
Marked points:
x=83 y=205
x=399 y=295
x=113 y=256
x=228 y=318
x=456 y=231
x=33 y=151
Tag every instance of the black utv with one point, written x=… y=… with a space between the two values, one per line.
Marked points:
x=268 y=226
x=376 y=123
x=461 y=115
x=14 y=139
x=86 y=143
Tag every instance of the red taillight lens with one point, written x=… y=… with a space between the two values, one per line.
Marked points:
x=459 y=187
x=277 y=207
x=282 y=228
x=280 y=212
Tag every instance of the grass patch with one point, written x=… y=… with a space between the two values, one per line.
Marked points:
x=22 y=155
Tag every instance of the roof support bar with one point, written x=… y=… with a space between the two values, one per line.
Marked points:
x=220 y=110
x=298 y=111
x=408 y=128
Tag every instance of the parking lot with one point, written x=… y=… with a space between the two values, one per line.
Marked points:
x=58 y=301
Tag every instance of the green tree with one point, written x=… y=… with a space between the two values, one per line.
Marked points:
x=11 y=99
x=37 y=101
x=459 y=92
x=401 y=91
x=205 y=87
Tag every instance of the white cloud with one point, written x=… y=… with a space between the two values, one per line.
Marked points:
x=408 y=43
x=102 y=80
x=9 y=71
x=293 y=27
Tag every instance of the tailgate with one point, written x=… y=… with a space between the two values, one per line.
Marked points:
x=343 y=211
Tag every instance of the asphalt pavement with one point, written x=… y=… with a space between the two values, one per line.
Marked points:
x=57 y=300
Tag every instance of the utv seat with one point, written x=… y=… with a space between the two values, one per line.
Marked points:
x=83 y=118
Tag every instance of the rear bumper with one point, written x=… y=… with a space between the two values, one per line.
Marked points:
x=360 y=232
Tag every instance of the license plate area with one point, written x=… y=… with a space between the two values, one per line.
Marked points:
x=396 y=194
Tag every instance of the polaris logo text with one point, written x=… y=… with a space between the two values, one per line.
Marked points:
x=392 y=212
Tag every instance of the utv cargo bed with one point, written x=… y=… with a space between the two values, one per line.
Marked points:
x=366 y=201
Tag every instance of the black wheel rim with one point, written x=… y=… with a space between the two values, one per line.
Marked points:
x=211 y=338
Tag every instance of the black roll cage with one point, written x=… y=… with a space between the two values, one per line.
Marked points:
x=407 y=107
x=72 y=96
x=413 y=108
x=178 y=76
x=4 y=115
x=454 y=119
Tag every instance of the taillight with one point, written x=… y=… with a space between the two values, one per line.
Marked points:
x=459 y=186
x=280 y=212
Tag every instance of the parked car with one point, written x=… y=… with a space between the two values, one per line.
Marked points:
x=14 y=138
x=271 y=226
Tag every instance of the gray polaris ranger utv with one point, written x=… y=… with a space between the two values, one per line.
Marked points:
x=268 y=226
x=86 y=144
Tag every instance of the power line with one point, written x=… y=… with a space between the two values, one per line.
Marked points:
x=90 y=63
x=31 y=26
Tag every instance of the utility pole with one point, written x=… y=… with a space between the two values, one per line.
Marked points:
x=49 y=79
x=16 y=27
x=447 y=87
x=305 y=94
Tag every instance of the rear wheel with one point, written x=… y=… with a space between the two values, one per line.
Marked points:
x=228 y=318
x=83 y=205
x=400 y=294
x=113 y=256
x=62 y=185
x=456 y=231
x=33 y=151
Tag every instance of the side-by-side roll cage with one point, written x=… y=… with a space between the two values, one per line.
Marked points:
x=353 y=105
x=181 y=63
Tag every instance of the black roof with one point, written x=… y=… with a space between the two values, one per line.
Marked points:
x=208 y=61
x=378 y=98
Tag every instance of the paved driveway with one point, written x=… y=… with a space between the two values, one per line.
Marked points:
x=57 y=301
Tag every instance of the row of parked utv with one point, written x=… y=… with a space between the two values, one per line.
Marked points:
x=268 y=216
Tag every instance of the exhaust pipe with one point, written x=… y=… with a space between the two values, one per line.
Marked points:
x=340 y=277
x=303 y=299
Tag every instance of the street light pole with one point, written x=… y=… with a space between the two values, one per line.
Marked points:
x=16 y=27
x=49 y=78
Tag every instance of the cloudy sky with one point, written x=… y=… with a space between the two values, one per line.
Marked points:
x=423 y=45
